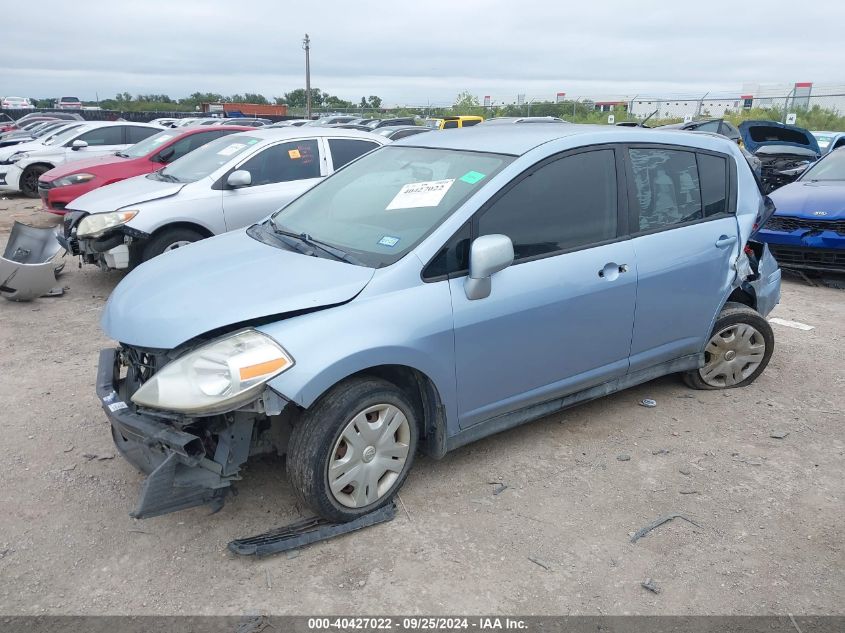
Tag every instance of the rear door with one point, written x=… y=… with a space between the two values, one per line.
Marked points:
x=685 y=237
x=280 y=173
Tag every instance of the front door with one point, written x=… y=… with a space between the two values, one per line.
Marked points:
x=559 y=319
x=280 y=173
x=685 y=240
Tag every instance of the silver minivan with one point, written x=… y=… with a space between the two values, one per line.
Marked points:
x=431 y=293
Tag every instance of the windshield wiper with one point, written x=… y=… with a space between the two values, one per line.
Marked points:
x=167 y=177
x=121 y=154
x=306 y=239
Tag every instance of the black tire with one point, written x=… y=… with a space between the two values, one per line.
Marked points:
x=161 y=242
x=29 y=179
x=314 y=438
x=735 y=314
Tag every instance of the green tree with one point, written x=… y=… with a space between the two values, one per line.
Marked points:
x=375 y=102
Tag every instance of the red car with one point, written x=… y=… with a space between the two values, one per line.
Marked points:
x=68 y=181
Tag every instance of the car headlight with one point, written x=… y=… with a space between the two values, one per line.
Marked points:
x=96 y=224
x=217 y=376
x=16 y=157
x=73 y=179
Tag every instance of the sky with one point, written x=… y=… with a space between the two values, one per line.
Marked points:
x=417 y=53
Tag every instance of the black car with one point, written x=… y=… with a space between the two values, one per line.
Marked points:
x=377 y=123
x=395 y=132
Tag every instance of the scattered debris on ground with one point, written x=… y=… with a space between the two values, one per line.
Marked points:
x=660 y=521
x=649 y=584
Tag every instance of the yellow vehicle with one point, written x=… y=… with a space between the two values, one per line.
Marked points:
x=448 y=122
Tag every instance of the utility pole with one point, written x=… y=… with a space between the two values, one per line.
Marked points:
x=306 y=44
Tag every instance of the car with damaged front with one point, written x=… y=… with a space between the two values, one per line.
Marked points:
x=784 y=151
x=431 y=293
x=807 y=232
x=227 y=184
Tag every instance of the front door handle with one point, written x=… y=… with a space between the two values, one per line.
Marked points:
x=612 y=270
x=725 y=240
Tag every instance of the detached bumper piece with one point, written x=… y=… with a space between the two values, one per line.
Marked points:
x=27 y=268
x=306 y=532
x=180 y=474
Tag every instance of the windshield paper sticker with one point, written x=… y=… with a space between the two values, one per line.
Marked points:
x=294 y=154
x=420 y=194
x=231 y=149
x=389 y=240
x=472 y=177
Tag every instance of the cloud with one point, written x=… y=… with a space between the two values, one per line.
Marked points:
x=411 y=53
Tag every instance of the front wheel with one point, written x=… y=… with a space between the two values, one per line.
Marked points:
x=169 y=240
x=29 y=179
x=738 y=351
x=351 y=452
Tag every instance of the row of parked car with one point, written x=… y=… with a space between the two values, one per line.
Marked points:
x=23 y=103
x=61 y=159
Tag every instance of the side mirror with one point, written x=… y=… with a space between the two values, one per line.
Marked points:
x=165 y=155
x=239 y=178
x=488 y=255
x=78 y=145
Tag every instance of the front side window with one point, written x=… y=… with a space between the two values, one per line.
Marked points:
x=112 y=135
x=449 y=124
x=568 y=203
x=383 y=205
x=345 y=150
x=284 y=162
x=666 y=187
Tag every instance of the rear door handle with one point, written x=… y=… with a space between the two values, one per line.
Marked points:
x=725 y=240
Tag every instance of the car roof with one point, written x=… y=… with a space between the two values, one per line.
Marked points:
x=269 y=133
x=518 y=139
x=404 y=127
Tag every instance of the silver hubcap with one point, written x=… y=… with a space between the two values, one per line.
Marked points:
x=176 y=245
x=369 y=455
x=732 y=355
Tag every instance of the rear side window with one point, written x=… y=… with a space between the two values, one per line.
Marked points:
x=137 y=134
x=284 y=162
x=470 y=123
x=345 y=150
x=565 y=204
x=449 y=124
x=713 y=172
x=710 y=126
x=666 y=187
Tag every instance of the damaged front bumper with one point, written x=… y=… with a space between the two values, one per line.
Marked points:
x=28 y=268
x=110 y=251
x=187 y=466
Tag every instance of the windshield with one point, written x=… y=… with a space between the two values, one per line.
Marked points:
x=205 y=160
x=823 y=140
x=832 y=167
x=381 y=206
x=148 y=145
x=63 y=134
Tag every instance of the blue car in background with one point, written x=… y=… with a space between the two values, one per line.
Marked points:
x=829 y=141
x=808 y=229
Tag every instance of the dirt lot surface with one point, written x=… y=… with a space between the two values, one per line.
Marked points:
x=556 y=540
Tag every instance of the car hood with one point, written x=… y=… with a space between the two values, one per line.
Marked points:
x=78 y=166
x=26 y=146
x=806 y=199
x=223 y=281
x=759 y=134
x=124 y=193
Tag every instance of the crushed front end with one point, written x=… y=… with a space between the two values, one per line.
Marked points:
x=189 y=460
x=109 y=251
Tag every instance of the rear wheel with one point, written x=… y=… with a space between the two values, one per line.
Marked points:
x=169 y=240
x=351 y=452
x=29 y=179
x=738 y=351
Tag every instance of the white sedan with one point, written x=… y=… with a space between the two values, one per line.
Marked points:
x=87 y=141
x=227 y=184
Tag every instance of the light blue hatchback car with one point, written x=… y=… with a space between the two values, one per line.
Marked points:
x=431 y=293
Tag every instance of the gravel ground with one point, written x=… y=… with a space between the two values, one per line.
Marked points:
x=556 y=539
